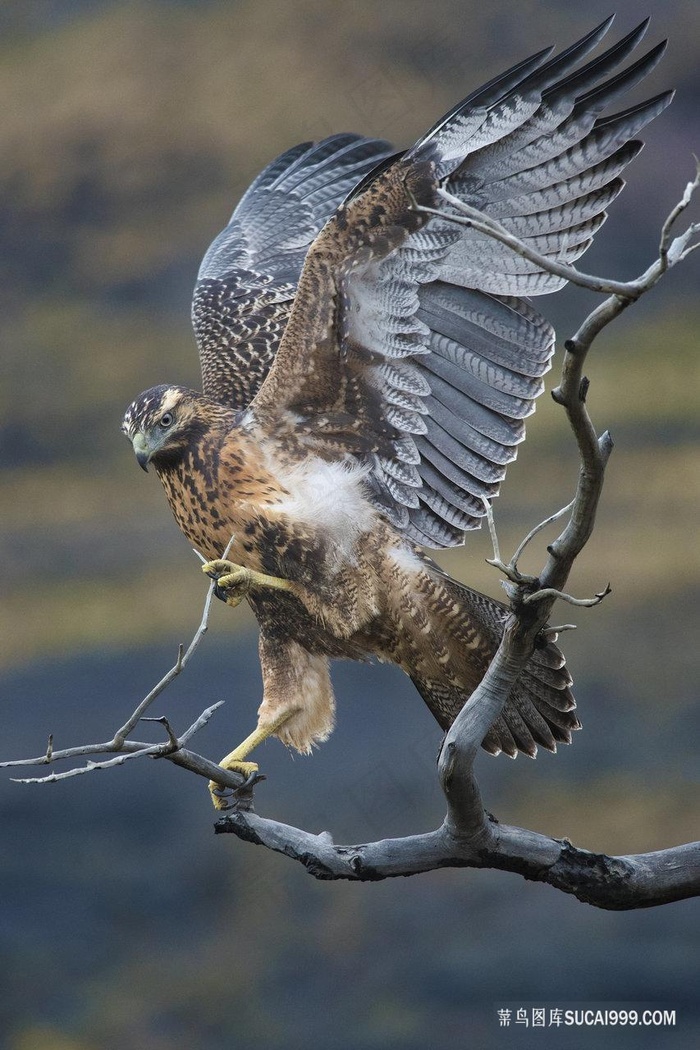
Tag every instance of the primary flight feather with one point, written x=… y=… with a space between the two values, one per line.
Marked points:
x=367 y=368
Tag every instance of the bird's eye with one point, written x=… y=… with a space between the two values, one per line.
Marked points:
x=166 y=420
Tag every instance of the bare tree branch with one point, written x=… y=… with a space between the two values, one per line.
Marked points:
x=477 y=220
x=641 y=880
x=552 y=592
x=173 y=749
x=666 y=242
x=130 y=749
x=671 y=251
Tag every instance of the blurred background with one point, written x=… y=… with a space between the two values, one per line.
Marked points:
x=128 y=130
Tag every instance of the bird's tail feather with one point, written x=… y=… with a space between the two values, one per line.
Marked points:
x=540 y=711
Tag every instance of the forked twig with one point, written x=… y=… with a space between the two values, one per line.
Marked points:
x=552 y=592
x=173 y=748
x=510 y=569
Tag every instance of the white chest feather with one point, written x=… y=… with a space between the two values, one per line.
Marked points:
x=330 y=498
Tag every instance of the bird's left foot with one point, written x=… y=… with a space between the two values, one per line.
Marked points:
x=233 y=582
x=224 y=798
x=235 y=760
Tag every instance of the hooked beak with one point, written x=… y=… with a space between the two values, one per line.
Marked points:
x=141 y=450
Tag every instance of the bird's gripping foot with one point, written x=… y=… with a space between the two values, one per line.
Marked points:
x=221 y=797
x=227 y=798
x=233 y=582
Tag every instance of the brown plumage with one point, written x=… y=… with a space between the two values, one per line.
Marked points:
x=366 y=383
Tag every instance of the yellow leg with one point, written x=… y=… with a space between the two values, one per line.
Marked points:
x=234 y=581
x=234 y=759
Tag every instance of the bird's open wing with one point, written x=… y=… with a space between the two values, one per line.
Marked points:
x=407 y=348
x=248 y=277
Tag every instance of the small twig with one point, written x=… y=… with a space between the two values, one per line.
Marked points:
x=537 y=529
x=174 y=742
x=89 y=767
x=70 y=752
x=199 y=723
x=135 y=750
x=552 y=592
x=183 y=658
x=477 y=220
x=512 y=574
x=550 y=634
x=683 y=203
x=496 y=560
x=509 y=570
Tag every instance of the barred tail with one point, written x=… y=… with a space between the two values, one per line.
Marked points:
x=540 y=711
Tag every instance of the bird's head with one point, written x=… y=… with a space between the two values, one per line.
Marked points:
x=161 y=423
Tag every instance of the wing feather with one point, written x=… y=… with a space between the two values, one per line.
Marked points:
x=407 y=347
x=248 y=277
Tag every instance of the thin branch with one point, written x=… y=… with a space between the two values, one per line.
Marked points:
x=68 y=753
x=491 y=521
x=510 y=569
x=183 y=659
x=477 y=220
x=683 y=203
x=130 y=749
x=90 y=767
x=536 y=530
x=162 y=720
x=670 y=251
x=551 y=633
x=552 y=592
x=693 y=247
x=185 y=758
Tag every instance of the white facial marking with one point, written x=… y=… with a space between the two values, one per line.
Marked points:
x=170 y=399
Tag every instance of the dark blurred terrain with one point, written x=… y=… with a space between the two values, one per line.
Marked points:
x=128 y=131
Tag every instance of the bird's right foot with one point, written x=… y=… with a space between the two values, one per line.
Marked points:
x=233 y=582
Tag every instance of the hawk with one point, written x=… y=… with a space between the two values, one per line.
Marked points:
x=367 y=368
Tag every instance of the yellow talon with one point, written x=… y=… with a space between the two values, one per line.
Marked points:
x=235 y=581
x=219 y=795
x=235 y=759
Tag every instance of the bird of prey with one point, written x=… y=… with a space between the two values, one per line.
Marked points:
x=367 y=367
